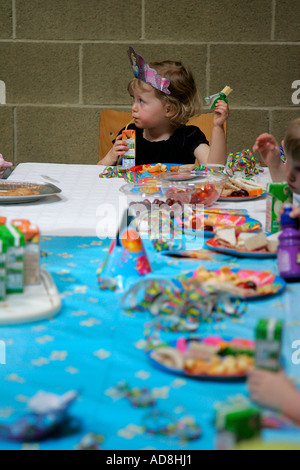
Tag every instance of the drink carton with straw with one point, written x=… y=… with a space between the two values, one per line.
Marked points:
x=128 y=135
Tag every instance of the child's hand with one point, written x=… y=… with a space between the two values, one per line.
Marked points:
x=221 y=113
x=119 y=148
x=295 y=213
x=269 y=388
x=268 y=148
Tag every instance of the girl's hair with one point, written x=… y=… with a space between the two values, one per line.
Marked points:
x=184 y=96
x=292 y=140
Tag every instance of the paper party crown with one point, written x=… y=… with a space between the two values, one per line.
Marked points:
x=143 y=72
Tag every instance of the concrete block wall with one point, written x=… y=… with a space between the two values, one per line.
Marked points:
x=63 y=61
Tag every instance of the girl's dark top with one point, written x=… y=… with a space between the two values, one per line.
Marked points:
x=179 y=148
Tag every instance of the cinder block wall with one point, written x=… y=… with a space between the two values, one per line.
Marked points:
x=63 y=61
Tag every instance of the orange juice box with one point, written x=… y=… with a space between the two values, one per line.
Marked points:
x=32 y=250
x=129 y=157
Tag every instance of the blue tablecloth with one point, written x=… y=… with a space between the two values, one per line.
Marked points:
x=92 y=345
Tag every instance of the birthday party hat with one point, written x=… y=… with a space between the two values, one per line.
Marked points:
x=126 y=259
x=143 y=72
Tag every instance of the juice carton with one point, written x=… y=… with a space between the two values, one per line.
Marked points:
x=15 y=242
x=2 y=220
x=129 y=157
x=268 y=344
x=32 y=250
x=278 y=194
x=2 y=269
x=236 y=420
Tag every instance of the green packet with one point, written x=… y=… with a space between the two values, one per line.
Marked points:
x=278 y=195
x=2 y=269
x=268 y=340
x=15 y=244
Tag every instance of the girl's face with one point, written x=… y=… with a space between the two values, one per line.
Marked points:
x=292 y=174
x=148 y=111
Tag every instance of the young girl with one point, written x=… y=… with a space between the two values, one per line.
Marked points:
x=164 y=98
x=289 y=171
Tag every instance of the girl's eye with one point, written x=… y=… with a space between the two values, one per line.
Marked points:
x=141 y=101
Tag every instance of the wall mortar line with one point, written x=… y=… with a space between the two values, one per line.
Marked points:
x=273 y=20
x=14 y=19
x=80 y=65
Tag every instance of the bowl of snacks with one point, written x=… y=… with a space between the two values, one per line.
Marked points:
x=153 y=195
x=142 y=193
x=204 y=191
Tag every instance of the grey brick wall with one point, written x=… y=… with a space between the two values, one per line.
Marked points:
x=63 y=61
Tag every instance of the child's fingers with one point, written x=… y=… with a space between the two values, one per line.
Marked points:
x=295 y=213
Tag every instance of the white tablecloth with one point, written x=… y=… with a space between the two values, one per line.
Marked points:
x=88 y=205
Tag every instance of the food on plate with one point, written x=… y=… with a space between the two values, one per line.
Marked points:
x=218 y=366
x=174 y=168
x=244 y=283
x=206 y=193
x=154 y=169
x=222 y=358
x=158 y=168
x=241 y=187
x=226 y=237
x=273 y=241
x=213 y=222
x=246 y=241
x=188 y=167
x=19 y=192
x=169 y=357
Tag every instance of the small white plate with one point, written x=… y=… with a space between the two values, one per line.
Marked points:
x=38 y=302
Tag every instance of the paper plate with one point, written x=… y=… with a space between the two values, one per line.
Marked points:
x=237 y=199
x=242 y=223
x=220 y=372
x=213 y=245
x=8 y=188
x=276 y=284
x=180 y=176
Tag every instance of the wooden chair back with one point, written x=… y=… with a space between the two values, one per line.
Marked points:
x=111 y=122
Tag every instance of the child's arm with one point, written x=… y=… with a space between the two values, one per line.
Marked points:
x=274 y=390
x=217 y=151
x=117 y=151
x=269 y=150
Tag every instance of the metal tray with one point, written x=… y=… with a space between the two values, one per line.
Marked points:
x=37 y=302
x=44 y=189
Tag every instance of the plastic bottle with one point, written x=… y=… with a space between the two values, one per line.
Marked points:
x=288 y=253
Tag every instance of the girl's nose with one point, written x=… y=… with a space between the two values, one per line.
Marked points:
x=134 y=106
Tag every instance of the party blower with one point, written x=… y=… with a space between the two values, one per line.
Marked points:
x=222 y=95
x=126 y=258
